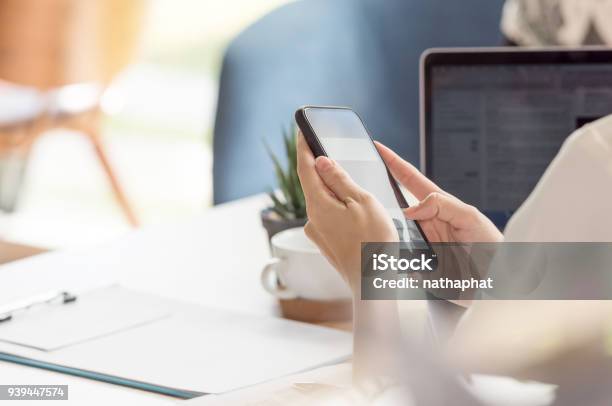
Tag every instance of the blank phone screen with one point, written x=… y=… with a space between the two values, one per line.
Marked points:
x=346 y=141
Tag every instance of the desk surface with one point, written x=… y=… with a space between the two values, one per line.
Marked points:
x=213 y=260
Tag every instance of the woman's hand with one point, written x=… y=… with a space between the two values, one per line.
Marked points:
x=443 y=217
x=341 y=215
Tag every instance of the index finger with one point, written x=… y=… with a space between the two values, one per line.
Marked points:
x=312 y=184
x=406 y=174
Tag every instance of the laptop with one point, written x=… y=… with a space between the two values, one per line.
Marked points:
x=492 y=119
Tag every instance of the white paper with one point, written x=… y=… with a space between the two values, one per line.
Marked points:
x=94 y=314
x=202 y=349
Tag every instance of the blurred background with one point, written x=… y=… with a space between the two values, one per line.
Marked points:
x=110 y=110
x=157 y=123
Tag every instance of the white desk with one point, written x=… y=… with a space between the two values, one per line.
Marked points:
x=213 y=260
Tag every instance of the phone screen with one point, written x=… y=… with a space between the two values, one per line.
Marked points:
x=345 y=140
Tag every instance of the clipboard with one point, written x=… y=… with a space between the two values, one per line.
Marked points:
x=115 y=380
x=146 y=342
x=54 y=320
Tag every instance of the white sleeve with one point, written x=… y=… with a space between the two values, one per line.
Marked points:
x=572 y=202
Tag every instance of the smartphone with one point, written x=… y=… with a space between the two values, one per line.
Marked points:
x=339 y=133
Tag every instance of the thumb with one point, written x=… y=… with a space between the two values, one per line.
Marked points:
x=337 y=180
x=443 y=207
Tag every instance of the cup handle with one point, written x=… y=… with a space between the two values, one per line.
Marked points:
x=272 y=281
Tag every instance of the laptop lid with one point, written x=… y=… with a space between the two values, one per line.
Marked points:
x=492 y=119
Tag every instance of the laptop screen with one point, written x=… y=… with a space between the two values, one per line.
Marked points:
x=492 y=129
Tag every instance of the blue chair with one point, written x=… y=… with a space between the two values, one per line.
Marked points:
x=358 y=53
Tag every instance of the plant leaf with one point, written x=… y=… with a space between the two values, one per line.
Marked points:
x=279 y=207
x=289 y=202
x=280 y=175
x=292 y=179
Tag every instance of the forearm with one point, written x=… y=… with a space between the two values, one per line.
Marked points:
x=376 y=339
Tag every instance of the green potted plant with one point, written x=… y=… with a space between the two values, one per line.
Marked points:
x=288 y=209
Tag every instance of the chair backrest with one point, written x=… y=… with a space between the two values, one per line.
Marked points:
x=47 y=44
x=358 y=53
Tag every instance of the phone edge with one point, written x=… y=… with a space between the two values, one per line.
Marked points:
x=318 y=150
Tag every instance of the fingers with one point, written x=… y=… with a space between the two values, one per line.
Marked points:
x=406 y=174
x=430 y=231
x=338 y=181
x=443 y=207
x=312 y=184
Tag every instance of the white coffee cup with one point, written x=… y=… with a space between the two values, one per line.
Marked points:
x=298 y=270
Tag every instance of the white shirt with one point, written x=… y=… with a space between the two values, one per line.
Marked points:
x=572 y=202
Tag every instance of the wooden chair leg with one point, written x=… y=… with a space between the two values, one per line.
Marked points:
x=92 y=132
x=15 y=147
